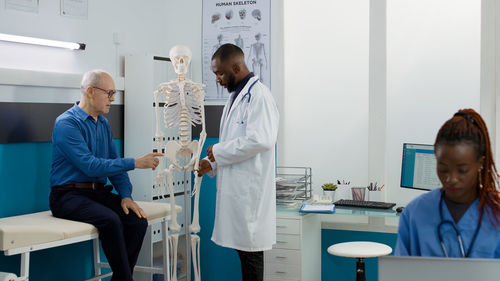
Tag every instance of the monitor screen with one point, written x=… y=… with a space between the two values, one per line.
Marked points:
x=418 y=169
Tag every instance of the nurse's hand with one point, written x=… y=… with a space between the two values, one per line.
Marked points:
x=210 y=153
x=204 y=167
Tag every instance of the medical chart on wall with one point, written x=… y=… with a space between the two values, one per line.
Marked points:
x=30 y=6
x=246 y=24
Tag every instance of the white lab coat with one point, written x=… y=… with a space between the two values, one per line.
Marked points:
x=245 y=215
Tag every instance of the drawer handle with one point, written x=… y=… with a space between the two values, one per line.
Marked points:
x=281 y=272
x=281 y=242
x=280 y=257
x=281 y=226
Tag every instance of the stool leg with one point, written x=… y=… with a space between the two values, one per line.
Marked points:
x=360 y=270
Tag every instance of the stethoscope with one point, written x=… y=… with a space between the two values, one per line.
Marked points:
x=249 y=95
x=459 y=237
x=248 y=92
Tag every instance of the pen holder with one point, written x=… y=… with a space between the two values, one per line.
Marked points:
x=375 y=195
x=358 y=193
x=343 y=191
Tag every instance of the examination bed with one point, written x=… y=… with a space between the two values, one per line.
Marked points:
x=37 y=231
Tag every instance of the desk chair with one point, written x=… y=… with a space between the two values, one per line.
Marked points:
x=359 y=250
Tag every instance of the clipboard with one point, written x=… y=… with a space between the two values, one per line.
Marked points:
x=317 y=208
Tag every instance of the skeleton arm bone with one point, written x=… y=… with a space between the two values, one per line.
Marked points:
x=200 y=96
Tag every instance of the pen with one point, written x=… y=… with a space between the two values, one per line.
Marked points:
x=381 y=187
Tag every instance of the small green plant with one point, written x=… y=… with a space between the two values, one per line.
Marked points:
x=329 y=186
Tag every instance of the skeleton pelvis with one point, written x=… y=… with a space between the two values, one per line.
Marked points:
x=175 y=151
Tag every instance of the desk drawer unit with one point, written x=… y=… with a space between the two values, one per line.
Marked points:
x=287 y=241
x=288 y=226
x=282 y=271
x=283 y=256
x=290 y=260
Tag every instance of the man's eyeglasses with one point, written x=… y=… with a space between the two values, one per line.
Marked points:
x=110 y=93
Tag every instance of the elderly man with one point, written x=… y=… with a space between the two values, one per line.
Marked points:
x=84 y=158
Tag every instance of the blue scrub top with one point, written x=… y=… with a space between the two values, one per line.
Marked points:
x=418 y=230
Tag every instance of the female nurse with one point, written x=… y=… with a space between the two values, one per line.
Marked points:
x=461 y=219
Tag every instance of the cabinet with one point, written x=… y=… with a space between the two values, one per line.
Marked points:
x=296 y=256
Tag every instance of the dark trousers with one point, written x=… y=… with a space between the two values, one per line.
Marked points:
x=121 y=235
x=252 y=265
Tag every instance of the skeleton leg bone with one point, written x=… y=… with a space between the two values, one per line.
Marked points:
x=195 y=253
x=173 y=239
x=194 y=228
x=175 y=228
x=195 y=224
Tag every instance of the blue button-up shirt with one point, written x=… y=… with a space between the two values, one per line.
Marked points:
x=83 y=151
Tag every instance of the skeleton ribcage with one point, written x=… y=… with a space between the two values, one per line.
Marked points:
x=174 y=112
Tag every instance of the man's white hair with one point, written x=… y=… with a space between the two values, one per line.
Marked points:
x=92 y=78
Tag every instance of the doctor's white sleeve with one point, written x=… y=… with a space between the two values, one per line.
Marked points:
x=260 y=134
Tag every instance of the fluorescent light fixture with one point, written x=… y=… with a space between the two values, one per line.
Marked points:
x=42 y=42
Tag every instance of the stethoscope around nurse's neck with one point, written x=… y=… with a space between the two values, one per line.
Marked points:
x=459 y=237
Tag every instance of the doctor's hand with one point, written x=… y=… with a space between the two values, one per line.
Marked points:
x=210 y=153
x=147 y=161
x=204 y=167
x=127 y=203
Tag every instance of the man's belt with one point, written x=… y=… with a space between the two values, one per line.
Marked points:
x=84 y=185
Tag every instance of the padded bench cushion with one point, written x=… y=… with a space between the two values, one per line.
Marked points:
x=42 y=227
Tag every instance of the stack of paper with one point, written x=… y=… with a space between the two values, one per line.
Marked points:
x=318 y=208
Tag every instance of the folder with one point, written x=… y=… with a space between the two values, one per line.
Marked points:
x=317 y=208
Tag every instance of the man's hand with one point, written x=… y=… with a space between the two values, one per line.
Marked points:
x=204 y=167
x=128 y=203
x=147 y=161
x=210 y=153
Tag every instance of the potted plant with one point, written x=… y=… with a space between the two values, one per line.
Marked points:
x=329 y=189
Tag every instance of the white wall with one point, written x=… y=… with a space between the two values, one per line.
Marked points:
x=433 y=69
x=325 y=115
x=130 y=19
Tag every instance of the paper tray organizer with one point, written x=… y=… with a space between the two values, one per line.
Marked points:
x=293 y=184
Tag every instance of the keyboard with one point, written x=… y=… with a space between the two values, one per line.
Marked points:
x=364 y=204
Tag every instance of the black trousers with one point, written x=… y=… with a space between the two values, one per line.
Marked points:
x=121 y=235
x=252 y=265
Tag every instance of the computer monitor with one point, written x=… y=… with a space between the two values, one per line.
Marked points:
x=418 y=168
x=391 y=268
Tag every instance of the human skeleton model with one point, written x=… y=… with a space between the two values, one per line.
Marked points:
x=257 y=51
x=184 y=107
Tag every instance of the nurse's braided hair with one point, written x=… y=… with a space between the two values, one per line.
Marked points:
x=467 y=126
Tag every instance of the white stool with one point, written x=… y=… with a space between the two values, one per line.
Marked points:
x=359 y=250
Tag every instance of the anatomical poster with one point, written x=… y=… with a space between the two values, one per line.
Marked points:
x=246 y=24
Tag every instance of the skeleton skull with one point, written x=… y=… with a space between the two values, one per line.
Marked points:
x=180 y=56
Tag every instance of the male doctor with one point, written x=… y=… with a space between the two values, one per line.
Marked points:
x=244 y=160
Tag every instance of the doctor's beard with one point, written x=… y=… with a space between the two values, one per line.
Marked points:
x=231 y=84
